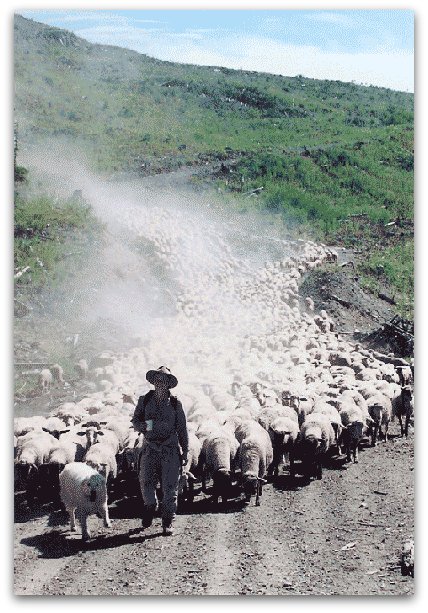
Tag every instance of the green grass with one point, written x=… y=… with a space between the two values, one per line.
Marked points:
x=393 y=267
x=335 y=159
x=46 y=229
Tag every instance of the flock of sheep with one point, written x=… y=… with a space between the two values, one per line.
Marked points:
x=263 y=378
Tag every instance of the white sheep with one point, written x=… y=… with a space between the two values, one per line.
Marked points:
x=83 y=492
x=34 y=447
x=187 y=479
x=81 y=368
x=380 y=410
x=45 y=380
x=217 y=456
x=102 y=458
x=268 y=414
x=309 y=304
x=254 y=456
x=57 y=373
x=32 y=452
x=23 y=425
x=316 y=437
x=283 y=432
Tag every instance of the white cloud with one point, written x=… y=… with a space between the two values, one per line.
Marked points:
x=384 y=68
x=333 y=18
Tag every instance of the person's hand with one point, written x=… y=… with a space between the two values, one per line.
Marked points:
x=183 y=460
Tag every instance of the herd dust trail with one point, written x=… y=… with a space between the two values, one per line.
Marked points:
x=189 y=281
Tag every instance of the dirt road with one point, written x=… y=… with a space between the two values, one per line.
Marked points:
x=340 y=535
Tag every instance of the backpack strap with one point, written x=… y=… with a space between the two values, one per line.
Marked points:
x=174 y=403
x=146 y=398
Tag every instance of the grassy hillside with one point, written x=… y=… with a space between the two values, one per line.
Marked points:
x=335 y=158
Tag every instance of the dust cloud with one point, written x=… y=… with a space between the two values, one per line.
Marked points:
x=174 y=273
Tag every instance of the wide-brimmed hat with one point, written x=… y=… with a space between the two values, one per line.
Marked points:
x=163 y=370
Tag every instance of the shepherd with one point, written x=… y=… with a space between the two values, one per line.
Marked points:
x=161 y=418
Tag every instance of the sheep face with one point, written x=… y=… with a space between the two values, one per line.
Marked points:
x=351 y=437
x=221 y=481
x=250 y=487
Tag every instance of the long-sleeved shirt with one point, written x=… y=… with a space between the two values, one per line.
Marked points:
x=167 y=421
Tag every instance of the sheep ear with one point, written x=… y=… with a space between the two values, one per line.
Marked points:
x=64 y=431
x=45 y=430
x=100 y=433
x=79 y=433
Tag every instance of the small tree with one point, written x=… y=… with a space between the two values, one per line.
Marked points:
x=20 y=173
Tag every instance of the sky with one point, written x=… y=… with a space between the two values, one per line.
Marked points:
x=366 y=46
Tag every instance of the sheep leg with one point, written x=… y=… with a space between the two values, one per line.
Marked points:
x=71 y=512
x=292 y=467
x=204 y=480
x=406 y=428
x=105 y=516
x=258 y=493
x=348 y=453
x=374 y=434
x=386 y=432
x=190 y=491
x=83 y=518
x=400 y=419
x=355 y=454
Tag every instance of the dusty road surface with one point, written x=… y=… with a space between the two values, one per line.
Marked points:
x=340 y=535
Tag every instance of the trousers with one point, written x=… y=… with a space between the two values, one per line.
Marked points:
x=160 y=464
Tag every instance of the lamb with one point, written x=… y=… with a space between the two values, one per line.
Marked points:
x=283 y=432
x=102 y=458
x=353 y=422
x=55 y=426
x=402 y=406
x=254 y=456
x=70 y=413
x=188 y=478
x=24 y=425
x=82 y=368
x=380 y=410
x=83 y=492
x=216 y=458
x=57 y=373
x=268 y=415
x=316 y=437
x=309 y=304
x=327 y=409
x=33 y=448
x=45 y=380
x=131 y=451
x=32 y=451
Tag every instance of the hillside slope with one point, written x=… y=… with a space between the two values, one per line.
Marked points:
x=332 y=158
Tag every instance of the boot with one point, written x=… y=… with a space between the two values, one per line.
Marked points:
x=148 y=515
x=167 y=529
